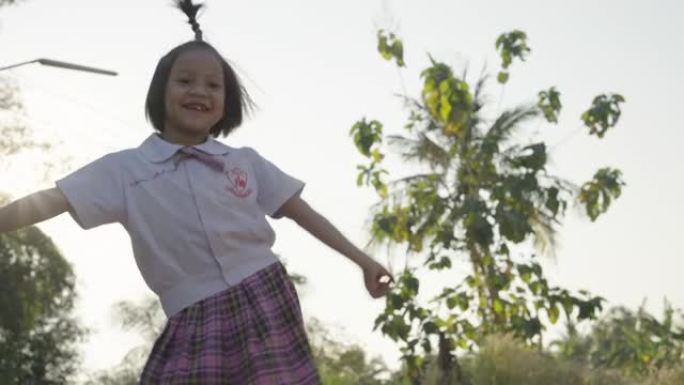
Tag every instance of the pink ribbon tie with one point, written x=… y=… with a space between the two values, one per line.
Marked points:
x=214 y=163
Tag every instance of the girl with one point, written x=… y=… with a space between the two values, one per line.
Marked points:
x=195 y=211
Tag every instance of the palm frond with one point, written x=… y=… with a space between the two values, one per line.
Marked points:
x=510 y=120
x=478 y=97
x=418 y=106
x=544 y=234
x=412 y=178
x=421 y=149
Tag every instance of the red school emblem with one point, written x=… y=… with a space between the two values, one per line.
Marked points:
x=238 y=182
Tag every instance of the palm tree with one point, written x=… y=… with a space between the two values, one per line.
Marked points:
x=480 y=196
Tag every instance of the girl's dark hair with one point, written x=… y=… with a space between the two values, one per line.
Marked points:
x=237 y=100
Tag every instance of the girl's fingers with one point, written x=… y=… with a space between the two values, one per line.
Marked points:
x=385 y=278
x=380 y=280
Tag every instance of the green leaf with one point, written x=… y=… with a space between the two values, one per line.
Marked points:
x=379 y=320
x=552 y=203
x=535 y=287
x=359 y=178
x=553 y=312
x=502 y=77
x=511 y=45
x=447 y=98
x=451 y=302
x=427 y=346
x=550 y=105
x=534 y=161
x=397 y=328
x=430 y=328
x=366 y=134
x=391 y=47
x=463 y=301
x=472 y=281
x=396 y=301
x=412 y=283
x=513 y=223
x=603 y=114
x=597 y=194
x=526 y=276
x=498 y=306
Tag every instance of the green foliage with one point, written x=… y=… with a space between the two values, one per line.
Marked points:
x=597 y=194
x=15 y=136
x=500 y=194
x=549 y=103
x=391 y=47
x=482 y=199
x=343 y=364
x=505 y=361
x=126 y=373
x=634 y=342
x=145 y=319
x=603 y=114
x=503 y=76
x=38 y=333
x=367 y=137
x=672 y=376
x=446 y=97
x=511 y=45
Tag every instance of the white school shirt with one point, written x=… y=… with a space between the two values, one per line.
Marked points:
x=195 y=231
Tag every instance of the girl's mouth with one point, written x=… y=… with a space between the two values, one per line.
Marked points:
x=196 y=107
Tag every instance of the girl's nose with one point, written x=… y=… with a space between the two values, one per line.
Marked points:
x=198 y=90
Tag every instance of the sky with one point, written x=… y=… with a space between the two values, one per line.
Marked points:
x=313 y=69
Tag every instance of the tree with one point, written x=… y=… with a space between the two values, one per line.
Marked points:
x=342 y=363
x=483 y=198
x=38 y=333
x=15 y=136
x=145 y=319
x=633 y=341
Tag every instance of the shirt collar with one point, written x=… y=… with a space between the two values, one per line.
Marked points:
x=157 y=150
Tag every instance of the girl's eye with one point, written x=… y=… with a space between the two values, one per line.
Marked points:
x=214 y=86
x=183 y=81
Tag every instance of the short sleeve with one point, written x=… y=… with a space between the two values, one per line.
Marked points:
x=95 y=192
x=274 y=187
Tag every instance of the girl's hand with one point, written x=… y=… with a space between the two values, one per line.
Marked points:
x=373 y=273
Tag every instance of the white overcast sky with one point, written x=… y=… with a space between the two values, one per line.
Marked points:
x=313 y=69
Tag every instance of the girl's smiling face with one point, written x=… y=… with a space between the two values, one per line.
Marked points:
x=194 y=100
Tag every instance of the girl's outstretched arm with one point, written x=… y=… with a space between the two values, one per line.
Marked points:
x=31 y=209
x=313 y=222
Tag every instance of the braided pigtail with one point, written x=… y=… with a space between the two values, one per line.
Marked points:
x=237 y=101
x=190 y=10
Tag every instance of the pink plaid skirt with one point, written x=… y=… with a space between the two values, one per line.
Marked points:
x=249 y=334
